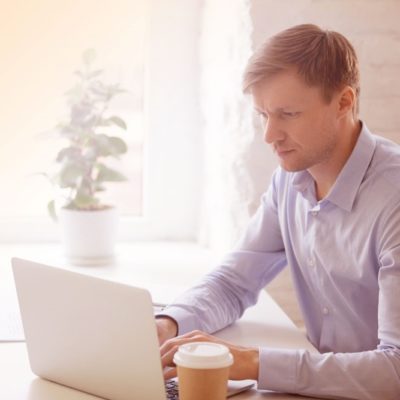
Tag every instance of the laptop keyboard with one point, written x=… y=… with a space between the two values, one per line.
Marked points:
x=171 y=388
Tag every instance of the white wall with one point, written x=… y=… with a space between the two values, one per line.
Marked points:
x=238 y=164
x=174 y=123
x=228 y=134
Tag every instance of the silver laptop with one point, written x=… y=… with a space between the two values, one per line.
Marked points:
x=90 y=334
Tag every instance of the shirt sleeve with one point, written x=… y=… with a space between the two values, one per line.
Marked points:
x=224 y=294
x=366 y=375
x=369 y=375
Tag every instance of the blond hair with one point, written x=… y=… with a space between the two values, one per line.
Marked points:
x=323 y=58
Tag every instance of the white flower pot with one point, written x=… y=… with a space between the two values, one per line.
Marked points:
x=89 y=236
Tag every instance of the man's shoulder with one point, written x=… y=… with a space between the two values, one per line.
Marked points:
x=380 y=188
x=386 y=146
x=385 y=165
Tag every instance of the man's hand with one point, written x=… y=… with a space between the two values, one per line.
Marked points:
x=245 y=364
x=167 y=328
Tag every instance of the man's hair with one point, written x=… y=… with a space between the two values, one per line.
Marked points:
x=323 y=58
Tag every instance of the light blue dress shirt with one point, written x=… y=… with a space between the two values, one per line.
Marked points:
x=344 y=256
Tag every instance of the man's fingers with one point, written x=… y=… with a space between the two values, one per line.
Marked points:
x=169 y=373
x=246 y=359
x=170 y=347
x=167 y=359
x=195 y=336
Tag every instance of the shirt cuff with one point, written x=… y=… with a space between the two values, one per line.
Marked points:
x=186 y=321
x=277 y=370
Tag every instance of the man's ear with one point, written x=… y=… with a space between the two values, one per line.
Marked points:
x=346 y=101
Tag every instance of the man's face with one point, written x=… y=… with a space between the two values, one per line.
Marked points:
x=299 y=124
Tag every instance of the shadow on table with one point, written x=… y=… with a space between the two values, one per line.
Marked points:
x=42 y=389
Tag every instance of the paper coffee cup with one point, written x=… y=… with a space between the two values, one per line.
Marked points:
x=203 y=370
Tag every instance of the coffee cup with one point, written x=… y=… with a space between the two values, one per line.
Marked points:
x=203 y=370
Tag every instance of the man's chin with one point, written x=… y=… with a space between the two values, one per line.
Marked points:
x=288 y=167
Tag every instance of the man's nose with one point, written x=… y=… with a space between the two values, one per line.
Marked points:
x=272 y=132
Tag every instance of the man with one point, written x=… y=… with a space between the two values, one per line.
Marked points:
x=331 y=213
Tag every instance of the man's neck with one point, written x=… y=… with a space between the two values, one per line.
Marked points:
x=325 y=175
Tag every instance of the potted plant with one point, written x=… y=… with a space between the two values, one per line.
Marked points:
x=88 y=226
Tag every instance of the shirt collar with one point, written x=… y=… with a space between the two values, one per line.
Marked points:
x=344 y=191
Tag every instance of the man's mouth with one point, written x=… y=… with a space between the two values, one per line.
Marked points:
x=283 y=152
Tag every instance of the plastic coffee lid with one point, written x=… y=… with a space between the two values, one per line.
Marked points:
x=201 y=355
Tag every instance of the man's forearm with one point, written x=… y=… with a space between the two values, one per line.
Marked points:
x=223 y=295
x=367 y=375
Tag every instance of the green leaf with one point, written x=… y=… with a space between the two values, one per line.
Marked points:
x=99 y=188
x=84 y=200
x=106 y=174
x=70 y=153
x=51 y=208
x=105 y=145
x=90 y=154
x=70 y=174
x=103 y=122
x=118 y=121
x=100 y=142
x=66 y=130
x=98 y=88
x=117 y=145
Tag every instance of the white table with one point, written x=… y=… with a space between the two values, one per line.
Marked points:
x=264 y=324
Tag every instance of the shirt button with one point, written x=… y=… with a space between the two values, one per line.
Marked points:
x=311 y=262
x=325 y=311
x=314 y=213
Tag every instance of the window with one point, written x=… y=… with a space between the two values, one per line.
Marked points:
x=151 y=50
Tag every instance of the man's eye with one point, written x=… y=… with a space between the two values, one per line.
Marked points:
x=288 y=114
